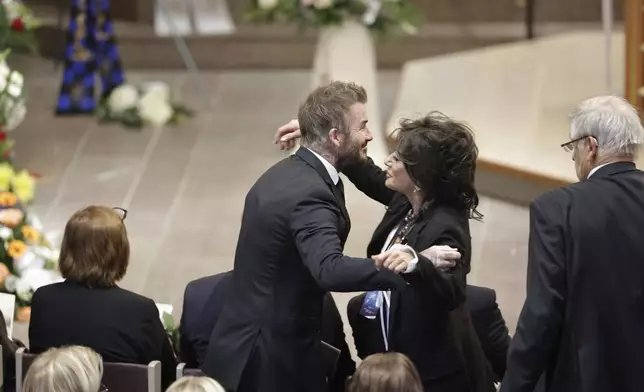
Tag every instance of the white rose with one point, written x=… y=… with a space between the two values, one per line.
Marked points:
x=23 y=290
x=409 y=28
x=12 y=8
x=53 y=237
x=267 y=4
x=14 y=113
x=154 y=111
x=29 y=261
x=122 y=98
x=16 y=82
x=322 y=4
x=160 y=90
x=34 y=279
x=6 y=233
x=34 y=221
x=371 y=14
x=10 y=283
x=17 y=79
x=4 y=70
x=46 y=253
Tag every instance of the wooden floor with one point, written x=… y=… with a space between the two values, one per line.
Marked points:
x=184 y=187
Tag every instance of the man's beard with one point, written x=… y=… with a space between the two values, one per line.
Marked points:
x=350 y=155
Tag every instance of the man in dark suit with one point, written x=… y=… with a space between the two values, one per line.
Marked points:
x=289 y=254
x=490 y=326
x=582 y=320
x=202 y=304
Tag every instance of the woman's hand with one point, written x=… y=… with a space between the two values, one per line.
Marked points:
x=395 y=260
x=442 y=256
x=287 y=134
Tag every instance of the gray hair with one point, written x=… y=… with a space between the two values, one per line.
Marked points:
x=68 y=369
x=613 y=121
x=195 y=384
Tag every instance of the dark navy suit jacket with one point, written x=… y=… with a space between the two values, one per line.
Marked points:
x=202 y=303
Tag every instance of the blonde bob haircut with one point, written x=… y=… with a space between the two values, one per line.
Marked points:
x=95 y=250
x=68 y=369
x=385 y=372
x=195 y=384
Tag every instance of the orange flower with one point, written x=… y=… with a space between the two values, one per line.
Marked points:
x=24 y=314
x=30 y=233
x=11 y=217
x=8 y=199
x=16 y=249
x=4 y=272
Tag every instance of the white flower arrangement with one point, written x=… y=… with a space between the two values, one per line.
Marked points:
x=383 y=17
x=28 y=260
x=137 y=106
x=12 y=100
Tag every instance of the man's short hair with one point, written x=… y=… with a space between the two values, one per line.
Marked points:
x=326 y=108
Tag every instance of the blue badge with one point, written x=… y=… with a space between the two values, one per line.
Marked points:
x=371 y=304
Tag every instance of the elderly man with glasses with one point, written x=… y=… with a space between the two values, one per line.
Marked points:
x=581 y=327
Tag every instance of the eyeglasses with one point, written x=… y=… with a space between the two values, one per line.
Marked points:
x=121 y=211
x=103 y=388
x=569 y=146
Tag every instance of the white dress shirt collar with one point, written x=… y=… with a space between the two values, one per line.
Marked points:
x=333 y=173
x=597 y=168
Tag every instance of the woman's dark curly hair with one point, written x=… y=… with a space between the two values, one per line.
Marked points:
x=439 y=155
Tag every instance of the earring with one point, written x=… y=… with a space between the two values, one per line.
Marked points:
x=416 y=188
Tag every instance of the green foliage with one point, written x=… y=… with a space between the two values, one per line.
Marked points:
x=395 y=16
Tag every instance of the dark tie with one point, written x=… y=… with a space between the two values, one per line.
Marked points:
x=340 y=189
x=340 y=186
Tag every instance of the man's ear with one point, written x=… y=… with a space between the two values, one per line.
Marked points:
x=592 y=146
x=335 y=137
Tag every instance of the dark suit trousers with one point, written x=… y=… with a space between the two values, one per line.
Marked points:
x=332 y=332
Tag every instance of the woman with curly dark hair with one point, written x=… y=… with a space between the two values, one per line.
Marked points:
x=429 y=192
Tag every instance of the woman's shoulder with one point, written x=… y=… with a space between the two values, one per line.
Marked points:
x=447 y=215
x=80 y=291
x=132 y=297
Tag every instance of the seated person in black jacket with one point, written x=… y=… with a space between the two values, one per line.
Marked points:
x=202 y=303
x=489 y=326
x=9 y=348
x=89 y=309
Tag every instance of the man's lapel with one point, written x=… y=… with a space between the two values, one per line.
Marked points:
x=412 y=239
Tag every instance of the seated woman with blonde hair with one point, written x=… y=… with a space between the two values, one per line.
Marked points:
x=387 y=372
x=69 y=369
x=196 y=384
x=89 y=308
